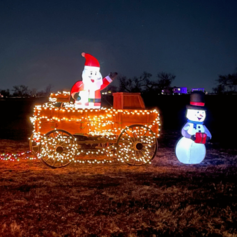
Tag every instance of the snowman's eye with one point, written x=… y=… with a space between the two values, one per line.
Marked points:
x=91 y=73
x=95 y=73
x=198 y=112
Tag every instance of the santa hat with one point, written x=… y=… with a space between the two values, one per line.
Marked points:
x=91 y=61
x=197 y=101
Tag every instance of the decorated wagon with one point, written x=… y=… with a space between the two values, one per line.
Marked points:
x=127 y=132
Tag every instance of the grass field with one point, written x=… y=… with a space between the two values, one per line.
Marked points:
x=165 y=198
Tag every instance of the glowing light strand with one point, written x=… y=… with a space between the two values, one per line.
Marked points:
x=103 y=125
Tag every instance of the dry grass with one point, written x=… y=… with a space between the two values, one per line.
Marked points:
x=165 y=198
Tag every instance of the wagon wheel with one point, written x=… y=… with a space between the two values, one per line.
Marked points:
x=136 y=145
x=57 y=148
x=34 y=145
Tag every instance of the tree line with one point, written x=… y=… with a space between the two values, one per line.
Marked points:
x=145 y=84
x=23 y=91
x=226 y=85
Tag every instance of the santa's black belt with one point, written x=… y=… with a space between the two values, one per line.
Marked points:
x=94 y=100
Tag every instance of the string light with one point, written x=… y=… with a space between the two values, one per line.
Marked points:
x=18 y=156
x=104 y=127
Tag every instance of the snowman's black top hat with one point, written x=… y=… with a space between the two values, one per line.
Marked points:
x=197 y=101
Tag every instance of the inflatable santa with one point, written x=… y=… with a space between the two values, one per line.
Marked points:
x=191 y=148
x=86 y=93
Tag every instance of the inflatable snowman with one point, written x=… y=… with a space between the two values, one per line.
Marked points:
x=191 y=149
x=86 y=93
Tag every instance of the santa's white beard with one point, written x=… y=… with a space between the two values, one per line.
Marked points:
x=92 y=86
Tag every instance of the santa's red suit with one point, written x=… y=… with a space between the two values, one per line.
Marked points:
x=94 y=97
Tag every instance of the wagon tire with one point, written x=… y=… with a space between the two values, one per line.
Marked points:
x=137 y=145
x=57 y=154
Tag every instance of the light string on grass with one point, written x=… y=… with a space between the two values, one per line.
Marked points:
x=18 y=156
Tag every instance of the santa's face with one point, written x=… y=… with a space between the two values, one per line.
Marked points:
x=196 y=115
x=92 y=78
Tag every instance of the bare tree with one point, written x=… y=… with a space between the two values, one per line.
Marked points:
x=219 y=90
x=5 y=93
x=164 y=80
x=32 y=92
x=48 y=90
x=135 y=84
x=21 y=91
x=145 y=84
x=227 y=84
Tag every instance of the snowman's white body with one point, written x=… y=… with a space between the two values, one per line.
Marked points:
x=187 y=151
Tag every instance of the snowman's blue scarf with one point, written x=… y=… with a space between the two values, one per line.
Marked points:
x=194 y=123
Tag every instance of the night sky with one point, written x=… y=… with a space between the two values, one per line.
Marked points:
x=41 y=41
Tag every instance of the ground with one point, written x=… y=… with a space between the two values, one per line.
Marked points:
x=165 y=198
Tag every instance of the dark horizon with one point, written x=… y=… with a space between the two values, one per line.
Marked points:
x=41 y=42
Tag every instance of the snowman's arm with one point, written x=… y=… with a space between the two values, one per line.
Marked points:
x=207 y=132
x=184 y=131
